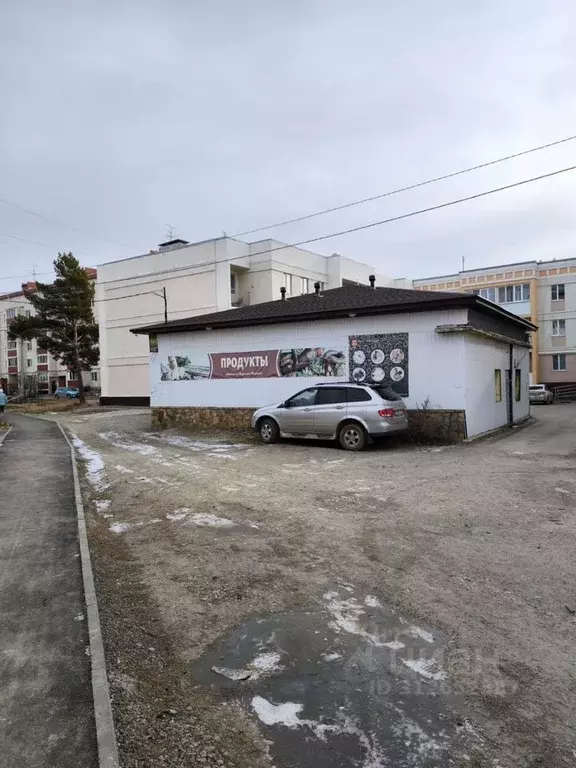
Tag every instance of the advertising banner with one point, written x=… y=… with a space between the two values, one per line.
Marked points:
x=260 y=364
x=380 y=358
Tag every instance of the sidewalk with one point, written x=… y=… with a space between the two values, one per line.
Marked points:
x=46 y=706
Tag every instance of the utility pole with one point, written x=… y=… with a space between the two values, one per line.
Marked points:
x=463 y=263
x=165 y=304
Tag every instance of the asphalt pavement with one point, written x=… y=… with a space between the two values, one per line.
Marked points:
x=46 y=706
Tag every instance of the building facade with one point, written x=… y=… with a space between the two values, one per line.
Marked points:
x=444 y=354
x=24 y=365
x=543 y=292
x=183 y=279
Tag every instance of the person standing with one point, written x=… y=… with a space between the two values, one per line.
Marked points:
x=3 y=400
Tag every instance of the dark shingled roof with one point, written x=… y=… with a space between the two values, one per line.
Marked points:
x=338 y=302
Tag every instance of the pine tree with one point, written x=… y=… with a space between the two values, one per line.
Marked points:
x=64 y=321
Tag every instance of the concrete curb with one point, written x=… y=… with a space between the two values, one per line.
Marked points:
x=105 y=734
x=4 y=435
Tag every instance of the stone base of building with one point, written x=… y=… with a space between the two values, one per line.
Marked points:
x=424 y=425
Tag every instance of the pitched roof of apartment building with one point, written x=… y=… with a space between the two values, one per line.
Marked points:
x=349 y=300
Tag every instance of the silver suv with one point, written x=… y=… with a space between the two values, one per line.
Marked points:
x=350 y=413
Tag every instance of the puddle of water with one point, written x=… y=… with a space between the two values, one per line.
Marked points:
x=347 y=677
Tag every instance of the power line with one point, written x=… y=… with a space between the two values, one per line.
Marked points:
x=42 y=245
x=407 y=188
x=380 y=222
x=20 y=277
x=130 y=296
x=61 y=224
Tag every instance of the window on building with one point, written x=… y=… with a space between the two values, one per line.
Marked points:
x=558 y=362
x=93 y=375
x=42 y=376
x=42 y=359
x=28 y=362
x=518 y=384
x=304 y=285
x=28 y=313
x=558 y=292
x=10 y=313
x=232 y=283
x=12 y=345
x=558 y=327
x=28 y=346
x=498 y=384
x=287 y=280
x=509 y=294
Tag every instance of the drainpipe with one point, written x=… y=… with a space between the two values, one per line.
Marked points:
x=510 y=387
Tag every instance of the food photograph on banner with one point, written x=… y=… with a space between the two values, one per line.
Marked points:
x=260 y=364
x=380 y=358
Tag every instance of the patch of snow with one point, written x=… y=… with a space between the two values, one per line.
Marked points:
x=126 y=444
x=277 y=714
x=124 y=470
x=372 y=602
x=178 y=515
x=287 y=715
x=562 y=490
x=417 y=739
x=419 y=632
x=229 y=489
x=267 y=662
x=232 y=674
x=429 y=668
x=394 y=645
x=346 y=616
x=102 y=505
x=94 y=463
x=331 y=656
x=79 y=617
x=194 y=445
x=222 y=456
x=119 y=527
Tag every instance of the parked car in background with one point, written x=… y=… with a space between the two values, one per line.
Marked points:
x=69 y=392
x=539 y=393
x=348 y=412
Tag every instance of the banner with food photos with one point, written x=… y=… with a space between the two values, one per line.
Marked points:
x=380 y=358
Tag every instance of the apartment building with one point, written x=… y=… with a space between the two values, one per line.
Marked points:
x=180 y=279
x=543 y=292
x=24 y=364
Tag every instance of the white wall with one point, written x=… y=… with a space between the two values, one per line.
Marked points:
x=436 y=367
x=482 y=358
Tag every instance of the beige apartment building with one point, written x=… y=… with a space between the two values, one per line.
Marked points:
x=195 y=279
x=543 y=292
x=23 y=364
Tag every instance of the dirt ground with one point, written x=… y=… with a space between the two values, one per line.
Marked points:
x=195 y=537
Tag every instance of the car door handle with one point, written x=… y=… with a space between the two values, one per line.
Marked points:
x=339 y=407
x=307 y=409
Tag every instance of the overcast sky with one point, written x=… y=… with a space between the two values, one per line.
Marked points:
x=120 y=117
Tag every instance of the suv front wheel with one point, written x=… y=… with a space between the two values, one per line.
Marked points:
x=352 y=436
x=269 y=432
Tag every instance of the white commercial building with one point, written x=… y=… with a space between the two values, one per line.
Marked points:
x=187 y=279
x=456 y=359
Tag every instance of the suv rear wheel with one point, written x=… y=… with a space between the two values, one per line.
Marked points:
x=352 y=436
x=269 y=432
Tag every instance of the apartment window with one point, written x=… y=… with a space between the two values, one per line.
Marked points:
x=28 y=362
x=28 y=346
x=93 y=375
x=487 y=293
x=498 y=384
x=558 y=362
x=558 y=327
x=517 y=384
x=28 y=313
x=287 y=279
x=304 y=285
x=509 y=294
x=42 y=359
x=10 y=313
x=42 y=376
x=232 y=283
x=12 y=345
x=558 y=292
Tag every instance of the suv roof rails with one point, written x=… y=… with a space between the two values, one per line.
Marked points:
x=345 y=383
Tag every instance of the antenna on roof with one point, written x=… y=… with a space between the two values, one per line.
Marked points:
x=170 y=232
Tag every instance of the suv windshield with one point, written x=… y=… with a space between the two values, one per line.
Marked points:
x=387 y=393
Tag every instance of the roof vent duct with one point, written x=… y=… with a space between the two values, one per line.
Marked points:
x=372 y=279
